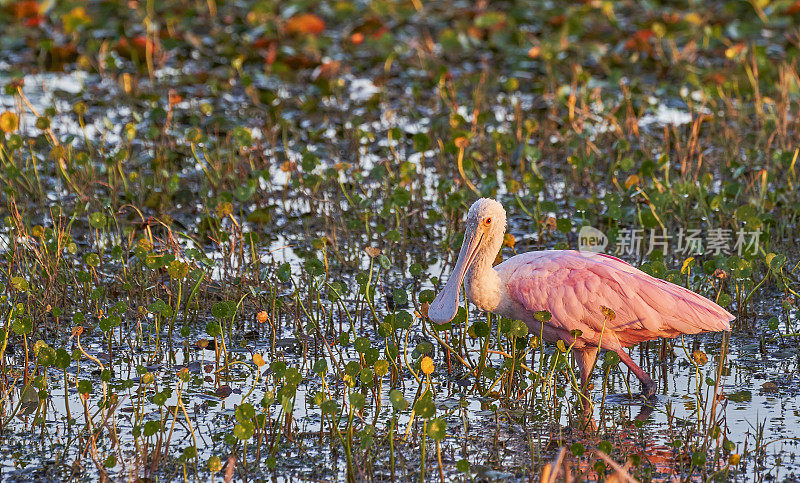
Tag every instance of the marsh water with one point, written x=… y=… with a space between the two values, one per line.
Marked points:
x=246 y=216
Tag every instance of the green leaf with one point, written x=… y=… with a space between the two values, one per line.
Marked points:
x=361 y=344
x=519 y=329
x=398 y=401
x=159 y=398
x=400 y=297
x=213 y=329
x=424 y=407
x=20 y=284
x=245 y=412
x=481 y=329
x=357 y=400
x=189 y=452
x=22 y=326
x=427 y=296
x=46 y=356
x=381 y=367
x=437 y=429
x=219 y=310
x=293 y=376
x=403 y=320
x=352 y=368
x=97 y=220
x=243 y=193
x=284 y=272
x=278 y=368
x=63 y=358
x=321 y=366
x=329 y=406
x=371 y=355
x=776 y=261
x=699 y=458
x=772 y=323
x=152 y=427
x=244 y=431
x=611 y=359
x=366 y=376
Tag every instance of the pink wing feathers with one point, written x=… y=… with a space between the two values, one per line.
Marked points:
x=573 y=287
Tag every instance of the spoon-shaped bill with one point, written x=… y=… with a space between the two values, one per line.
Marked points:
x=444 y=307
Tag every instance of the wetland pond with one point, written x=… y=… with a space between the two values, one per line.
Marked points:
x=223 y=222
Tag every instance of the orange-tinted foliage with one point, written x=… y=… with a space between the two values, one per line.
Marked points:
x=640 y=40
x=25 y=9
x=305 y=23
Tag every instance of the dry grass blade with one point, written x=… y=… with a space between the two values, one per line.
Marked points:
x=621 y=474
x=550 y=470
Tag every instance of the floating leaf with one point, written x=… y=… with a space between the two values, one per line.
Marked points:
x=224 y=391
x=741 y=396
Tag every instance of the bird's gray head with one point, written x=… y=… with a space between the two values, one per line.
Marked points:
x=487 y=216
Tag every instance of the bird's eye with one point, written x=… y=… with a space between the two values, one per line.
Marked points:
x=488 y=221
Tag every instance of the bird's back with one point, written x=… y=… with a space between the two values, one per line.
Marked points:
x=575 y=286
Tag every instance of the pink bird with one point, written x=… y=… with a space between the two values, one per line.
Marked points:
x=574 y=287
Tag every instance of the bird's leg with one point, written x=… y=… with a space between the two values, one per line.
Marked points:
x=648 y=385
x=585 y=359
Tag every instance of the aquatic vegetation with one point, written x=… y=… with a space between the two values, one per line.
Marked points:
x=222 y=225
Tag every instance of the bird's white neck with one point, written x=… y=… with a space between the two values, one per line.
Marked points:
x=482 y=283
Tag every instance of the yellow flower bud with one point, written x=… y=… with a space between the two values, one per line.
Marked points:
x=427 y=365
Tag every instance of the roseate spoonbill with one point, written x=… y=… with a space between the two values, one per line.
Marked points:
x=574 y=287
